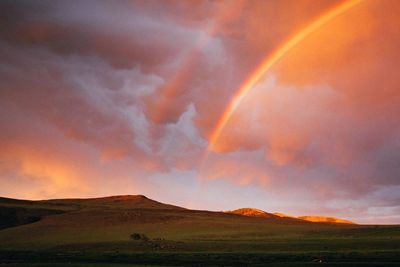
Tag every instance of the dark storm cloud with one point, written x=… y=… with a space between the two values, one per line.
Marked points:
x=89 y=28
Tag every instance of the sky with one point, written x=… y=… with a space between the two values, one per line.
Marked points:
x=101 y=98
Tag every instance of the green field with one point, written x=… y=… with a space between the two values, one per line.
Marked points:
x=97 y=232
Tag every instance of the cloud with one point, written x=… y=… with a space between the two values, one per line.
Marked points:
x=131 y=40
x=100 y=98
x=330 y=102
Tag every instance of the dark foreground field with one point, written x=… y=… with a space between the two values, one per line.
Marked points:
x=98 y=232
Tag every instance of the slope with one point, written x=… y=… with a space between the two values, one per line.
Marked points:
x=316 y=218
x=100 y=230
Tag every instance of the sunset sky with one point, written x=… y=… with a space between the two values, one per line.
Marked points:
x=289 y=106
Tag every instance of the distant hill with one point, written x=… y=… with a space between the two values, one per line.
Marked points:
x=316 y=218
x=260 y=213
x=283 y=215
x=324 y=219
x=253 y=213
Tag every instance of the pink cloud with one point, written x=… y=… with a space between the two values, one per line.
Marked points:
x=134 y=89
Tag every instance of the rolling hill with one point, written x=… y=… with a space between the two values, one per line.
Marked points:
x=135 y=229
x=260 y=213
x=316 y=218
x=252 y=213
x=325 y=219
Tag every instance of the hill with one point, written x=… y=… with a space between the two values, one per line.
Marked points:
x=136 y=229
x=316 y=218
x=15 y=212
x=324 y=219
x=252 y=213
x=283 y=215
x=260 y=213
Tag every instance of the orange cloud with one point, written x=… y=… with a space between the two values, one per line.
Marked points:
x=349 y=56
x=327 y=57
x=101 y=102
x=272 y=59
x=52 y=170
x=241 y=170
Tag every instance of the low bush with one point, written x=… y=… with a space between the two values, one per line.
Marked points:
x=138 y=236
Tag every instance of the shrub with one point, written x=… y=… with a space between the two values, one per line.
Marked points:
x=138 y=236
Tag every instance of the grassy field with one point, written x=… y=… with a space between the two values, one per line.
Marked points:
x=97 y=232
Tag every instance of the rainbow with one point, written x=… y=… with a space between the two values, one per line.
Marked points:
x=271 y=60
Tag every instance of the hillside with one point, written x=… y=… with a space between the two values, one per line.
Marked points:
x=324 y=219
x=136 y=229
x=253 y=213
x=316 y=218
x=15 y=212
x=283 y=215
x=260 y=213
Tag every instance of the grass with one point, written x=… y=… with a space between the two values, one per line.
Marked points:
x=97 y=231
